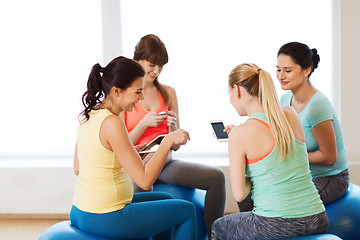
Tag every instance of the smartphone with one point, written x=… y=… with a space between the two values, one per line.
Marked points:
x=218 y=130
x=162 y=113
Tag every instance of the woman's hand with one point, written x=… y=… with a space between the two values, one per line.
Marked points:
x=172 y=121
x=228 y=128
x=140 y=147
x=179 y=136
x=153 y=119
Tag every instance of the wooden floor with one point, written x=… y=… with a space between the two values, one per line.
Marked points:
x=24 y=229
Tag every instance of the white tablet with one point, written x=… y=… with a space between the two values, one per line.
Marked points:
x=155 y=141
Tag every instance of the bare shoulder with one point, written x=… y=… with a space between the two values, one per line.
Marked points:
x=294 y=121
x=241 y=132
x=173 y=102
x=113 y=124
x=170 y=90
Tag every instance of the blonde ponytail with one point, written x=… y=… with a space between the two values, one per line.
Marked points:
x=277 y=120
x=259 y=83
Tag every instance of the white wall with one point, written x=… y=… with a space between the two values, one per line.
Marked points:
x=350 y=83
x=49 y=189
x=37 y=190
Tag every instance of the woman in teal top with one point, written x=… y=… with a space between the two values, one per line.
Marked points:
x=323 y=136
x=268 y=158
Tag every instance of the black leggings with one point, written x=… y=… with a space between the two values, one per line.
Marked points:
x=193 y=175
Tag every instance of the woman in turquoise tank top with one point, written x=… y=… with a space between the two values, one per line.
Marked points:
x=323 y=136
x=268 y=159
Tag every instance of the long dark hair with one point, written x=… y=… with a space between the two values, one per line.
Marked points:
x=120 y=72
x=301 y=54
x=152 y=49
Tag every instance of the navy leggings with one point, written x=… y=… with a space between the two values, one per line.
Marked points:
x=150 y=214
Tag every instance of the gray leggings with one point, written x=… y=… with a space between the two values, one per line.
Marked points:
x=249 y=226
x=193 y=175
x=330 y=189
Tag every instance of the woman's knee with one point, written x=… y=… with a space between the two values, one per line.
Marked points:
x=189 y=208
x=216 y=228
x=217 y=176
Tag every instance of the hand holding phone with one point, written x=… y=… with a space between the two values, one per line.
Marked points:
x=218 y=130
x=162 y=113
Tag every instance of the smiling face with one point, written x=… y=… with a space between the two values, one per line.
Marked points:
x=152 y=71
x=129 y=97
x=290 y=74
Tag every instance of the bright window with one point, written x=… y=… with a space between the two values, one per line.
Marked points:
x=47 y=51
x=207 y=39
x=48 y=48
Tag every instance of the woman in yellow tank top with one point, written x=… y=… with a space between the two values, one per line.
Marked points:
x=105 y=160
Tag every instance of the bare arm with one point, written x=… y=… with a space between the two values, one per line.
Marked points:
x=114 y=136
x=76 y=162
x=173 y=114
x=240 y=184
x=151 y=119
x=324 y=135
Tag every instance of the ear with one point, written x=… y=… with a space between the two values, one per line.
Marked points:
x=115 y=90
x=307 y=71
x=237 y=90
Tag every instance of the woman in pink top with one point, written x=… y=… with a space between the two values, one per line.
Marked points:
x=145 y=123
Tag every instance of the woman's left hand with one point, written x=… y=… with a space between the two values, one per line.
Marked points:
x=172 y=120
x=140 y=147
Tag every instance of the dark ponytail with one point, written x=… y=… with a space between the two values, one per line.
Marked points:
x=94 y=93
x=301 y=54
x=121 y=72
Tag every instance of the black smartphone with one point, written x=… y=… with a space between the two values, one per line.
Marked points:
x=218 y=130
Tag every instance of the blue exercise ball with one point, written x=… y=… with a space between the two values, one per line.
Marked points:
x=344 y=215
x=65 y=231
x=316 y=237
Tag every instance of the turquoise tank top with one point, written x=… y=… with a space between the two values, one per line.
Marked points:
x=283 y=188
x=318 y=110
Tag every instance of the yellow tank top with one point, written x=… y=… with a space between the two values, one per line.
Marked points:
x=103 y=185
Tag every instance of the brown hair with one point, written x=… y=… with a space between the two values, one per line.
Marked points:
x=259 y=83
x=153 y=50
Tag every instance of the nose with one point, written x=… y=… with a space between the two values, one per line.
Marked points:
x=141 y=96
x=281 y=74
x=156 y=70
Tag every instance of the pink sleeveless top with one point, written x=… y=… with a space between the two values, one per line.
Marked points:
x=134 y=117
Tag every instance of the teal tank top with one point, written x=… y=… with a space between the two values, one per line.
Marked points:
x=318 y=110
x=283 y=188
